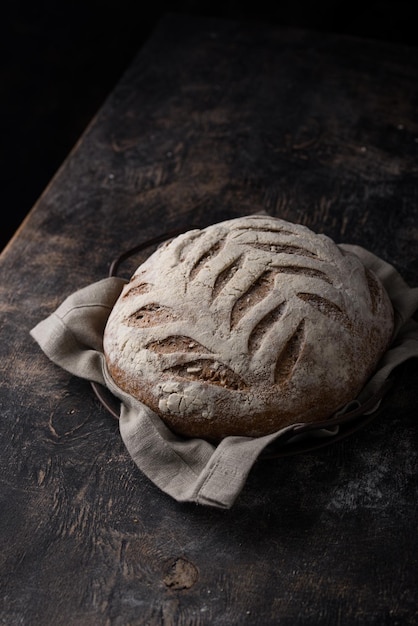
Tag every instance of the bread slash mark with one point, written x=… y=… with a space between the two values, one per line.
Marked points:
x=289 y=355
x=259 y=331
x=225 y=276
x=208 y=371
x=284 y=249
x=151 y=315
x=256 y=292
x=309 y=272
x=213 y=251
x=374 y=290
x=177 y=343
x=137 y=290
x=265 y=229
x=327 y=308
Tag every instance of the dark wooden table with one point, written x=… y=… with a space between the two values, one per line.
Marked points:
x=214 y=119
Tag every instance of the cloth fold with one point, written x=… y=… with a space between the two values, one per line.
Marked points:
x=194 y=470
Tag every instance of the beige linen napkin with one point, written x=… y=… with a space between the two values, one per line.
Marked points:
x=192 y=469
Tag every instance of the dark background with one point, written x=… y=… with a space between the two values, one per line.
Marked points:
x=60 y=61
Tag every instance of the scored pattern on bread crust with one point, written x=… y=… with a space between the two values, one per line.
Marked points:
x=289 y=356
x=257 y=291
x=260 y=329
x=262 y=310
x=285 y=249
x=215 y=249
x=176 y=343
x=326 y=307
x=374 y=290
x=210 y=371
x=225 y=276
x=150 y=315
x=306 y=271
x=137 y=290
x=246 y=297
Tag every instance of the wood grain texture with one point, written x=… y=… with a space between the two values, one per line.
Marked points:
x=214 y=119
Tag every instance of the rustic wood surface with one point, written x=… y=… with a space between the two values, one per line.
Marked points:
x=214 y=119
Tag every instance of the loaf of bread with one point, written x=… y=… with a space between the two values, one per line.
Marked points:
x=245 y=327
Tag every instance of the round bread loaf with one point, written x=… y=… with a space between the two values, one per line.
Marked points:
x=245 y=327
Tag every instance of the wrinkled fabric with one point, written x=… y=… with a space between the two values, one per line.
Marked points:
x=194 y=470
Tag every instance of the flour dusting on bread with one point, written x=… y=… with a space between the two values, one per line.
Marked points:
x=247 y=326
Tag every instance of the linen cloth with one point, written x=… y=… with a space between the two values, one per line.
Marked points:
x=195 y=470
